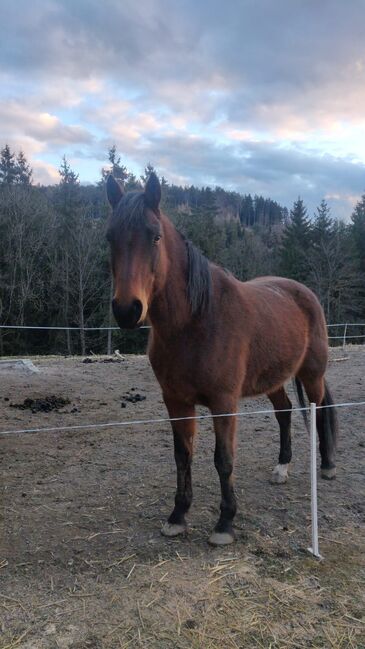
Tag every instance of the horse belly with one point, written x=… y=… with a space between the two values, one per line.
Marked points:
x=272 y=365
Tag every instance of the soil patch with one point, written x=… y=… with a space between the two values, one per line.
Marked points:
x=83 y=564
x=47 y=404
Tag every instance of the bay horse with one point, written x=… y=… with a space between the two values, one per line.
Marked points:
x=214 y=339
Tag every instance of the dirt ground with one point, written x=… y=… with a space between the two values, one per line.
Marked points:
x=82 y=561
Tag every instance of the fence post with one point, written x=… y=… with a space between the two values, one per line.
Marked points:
x=313 y=466
x=344 y=337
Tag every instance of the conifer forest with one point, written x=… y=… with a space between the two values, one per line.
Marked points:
x=54 y=258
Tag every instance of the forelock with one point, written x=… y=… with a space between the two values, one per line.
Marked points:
x=131 y=210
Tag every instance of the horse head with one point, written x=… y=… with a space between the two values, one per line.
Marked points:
x=135 y=235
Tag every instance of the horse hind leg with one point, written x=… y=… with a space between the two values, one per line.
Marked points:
x=326 y=421
x=281 y=402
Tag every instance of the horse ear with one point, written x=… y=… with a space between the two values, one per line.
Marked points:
x=114 y=191
x=152 y=192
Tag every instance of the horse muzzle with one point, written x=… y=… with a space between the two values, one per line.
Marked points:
x=128 y=317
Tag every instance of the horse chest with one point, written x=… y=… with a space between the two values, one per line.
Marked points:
x=173 y=370
x=194 y=375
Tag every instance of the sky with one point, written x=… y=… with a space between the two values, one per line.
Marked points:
x=257 y=96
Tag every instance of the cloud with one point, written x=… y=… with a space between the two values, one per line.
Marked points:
x=18 y=119
x=259 y=167
x=45 y=173
x=257 y=95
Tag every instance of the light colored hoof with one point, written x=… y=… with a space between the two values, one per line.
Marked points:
x=221 y=538
x=279 y=474
x=328 y=474
x=171 y=529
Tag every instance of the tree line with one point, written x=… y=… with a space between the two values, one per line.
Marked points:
x=54 y=262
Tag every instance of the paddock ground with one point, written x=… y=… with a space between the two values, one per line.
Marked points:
x=82 y=561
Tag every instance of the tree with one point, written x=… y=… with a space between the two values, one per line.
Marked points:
x=132 y=183
x=118 y=170
x=68 y=204
x=68 y=176
x=87 y=283
x=332 y=273
x=358 y=238
x=322 y=224
x=8 y=166
x=25 y=221
x=295 y=244
x=24 y=171
x=200 y=225
x=358 y=231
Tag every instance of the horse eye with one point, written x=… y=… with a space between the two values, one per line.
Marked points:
x=156 y=238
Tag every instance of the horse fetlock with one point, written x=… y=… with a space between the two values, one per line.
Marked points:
x=173 y=529
x=279 y=474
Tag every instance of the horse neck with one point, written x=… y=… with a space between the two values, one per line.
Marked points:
x=169 y=309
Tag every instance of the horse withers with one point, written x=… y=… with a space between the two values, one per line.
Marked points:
x=214 y=340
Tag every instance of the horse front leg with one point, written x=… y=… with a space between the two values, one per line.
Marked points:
x=225 y=446
x=184 y=432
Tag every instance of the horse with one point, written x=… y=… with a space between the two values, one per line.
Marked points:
x=214 y=340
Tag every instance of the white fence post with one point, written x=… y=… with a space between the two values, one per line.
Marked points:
x=344 y=337
x=313 y=466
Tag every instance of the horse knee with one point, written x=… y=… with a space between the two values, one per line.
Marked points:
x=223 y=464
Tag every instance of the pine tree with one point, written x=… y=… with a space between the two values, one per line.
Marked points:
x=24 y=172
x=322 y=231
x=132 y=183
x=8 y=166
x=200 y=225
x=247 y=212
x=321 y=257
x=295 y=244
x=118 y=170
x=358 y=232
x=68 y=176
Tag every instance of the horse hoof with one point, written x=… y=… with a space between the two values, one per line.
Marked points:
x=221 y=538
x=172 y=529
x=328 y=474
x=279 y=474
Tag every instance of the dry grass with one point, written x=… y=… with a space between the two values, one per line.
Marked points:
x=256 y=600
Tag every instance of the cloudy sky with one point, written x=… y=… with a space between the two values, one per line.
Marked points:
x=261 y=96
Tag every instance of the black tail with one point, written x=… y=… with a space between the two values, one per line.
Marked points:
x=301 y=399
x=329 y=417
x=330 y=422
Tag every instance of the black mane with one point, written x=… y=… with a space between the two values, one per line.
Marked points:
x=199 y=281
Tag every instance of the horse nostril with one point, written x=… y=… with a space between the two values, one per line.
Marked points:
x=137 y=308
x=127 y=316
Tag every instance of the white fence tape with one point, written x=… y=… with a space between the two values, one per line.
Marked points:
x=142 y=422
